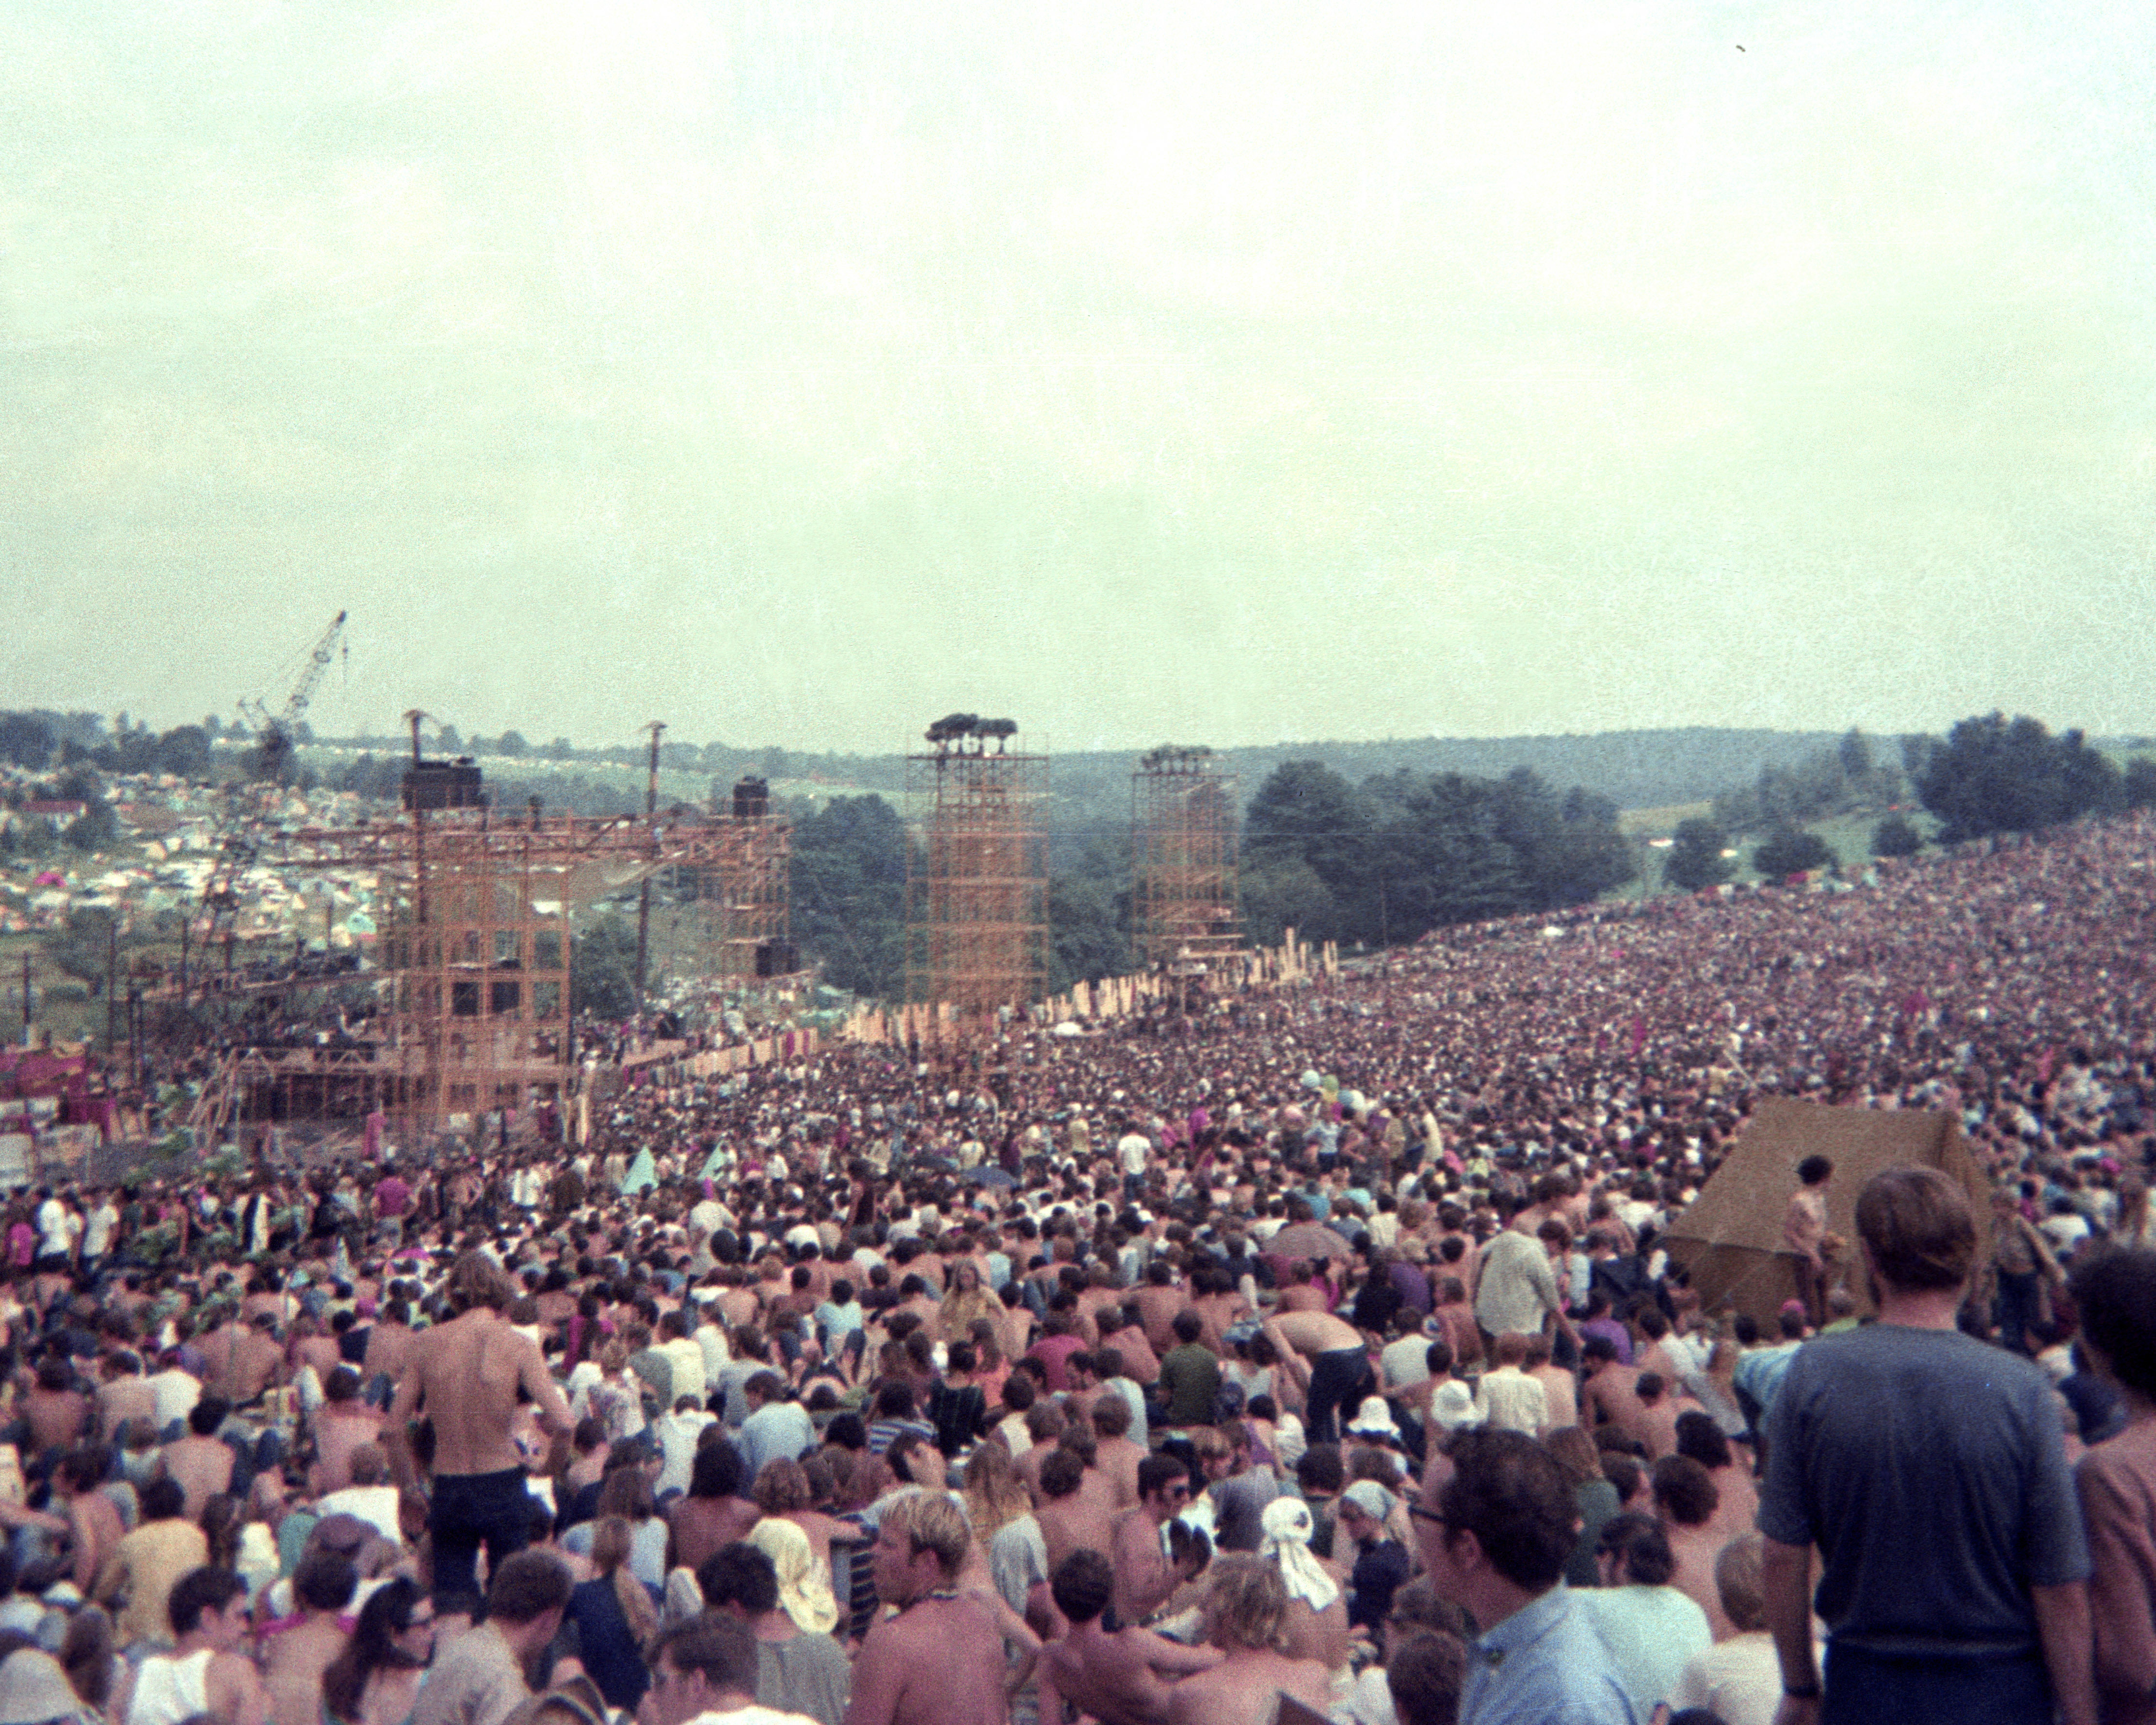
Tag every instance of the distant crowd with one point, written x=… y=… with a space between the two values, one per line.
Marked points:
x=1313 y=1348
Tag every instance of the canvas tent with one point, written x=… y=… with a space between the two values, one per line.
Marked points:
x=1730 y=1236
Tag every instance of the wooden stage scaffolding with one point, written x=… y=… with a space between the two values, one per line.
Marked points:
x=472 y=981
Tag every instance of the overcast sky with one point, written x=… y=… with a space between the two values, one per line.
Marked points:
x=1216 y=374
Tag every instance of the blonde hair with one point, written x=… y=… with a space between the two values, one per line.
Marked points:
x=611 y=1542
x=932 y=1521
x=995 y=1495
x=1245 y=1603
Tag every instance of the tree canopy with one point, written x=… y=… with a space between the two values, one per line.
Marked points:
x=1695 y=859
x=1404 y=853
x=1994 y=775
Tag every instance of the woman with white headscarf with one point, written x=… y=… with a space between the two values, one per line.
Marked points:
x=1315 y=1625
x=802 y=1595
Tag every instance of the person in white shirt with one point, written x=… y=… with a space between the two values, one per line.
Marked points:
x=1508 y=1398
x=1131 y=1150
x=369 y=1496
x=683 y=1354
x=176 y=1390
x=1738 y=1679
x=102 y=1223
x=677 y=1432
x=58 y=1228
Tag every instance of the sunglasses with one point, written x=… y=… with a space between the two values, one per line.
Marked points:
x=1427 y=1515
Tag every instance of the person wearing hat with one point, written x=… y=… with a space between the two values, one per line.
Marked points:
x=1373 y=1422
x=1381 y=1562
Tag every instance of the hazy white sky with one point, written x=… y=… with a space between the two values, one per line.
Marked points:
x=799 y=372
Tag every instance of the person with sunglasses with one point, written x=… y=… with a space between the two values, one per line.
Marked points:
x=376 y=1679
x=1145 y=1577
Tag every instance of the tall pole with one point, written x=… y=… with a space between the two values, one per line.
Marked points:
x=26 y=1000
x=111 y=980
x=644 y=893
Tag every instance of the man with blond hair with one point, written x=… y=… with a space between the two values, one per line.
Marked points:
x=940 y=1660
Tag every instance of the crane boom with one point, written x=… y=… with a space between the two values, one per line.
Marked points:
x=273 y=731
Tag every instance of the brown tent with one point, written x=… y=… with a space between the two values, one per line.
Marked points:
x=1730 y=1236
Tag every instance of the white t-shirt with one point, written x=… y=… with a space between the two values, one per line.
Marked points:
x=54 y=1236
x=375 y=1505
x=754 y=1714
x=176 y=1393
x=97 y=1236
x=1131 y=1150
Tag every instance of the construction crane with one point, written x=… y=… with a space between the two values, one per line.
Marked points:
x=275 y=731
x=243 y=811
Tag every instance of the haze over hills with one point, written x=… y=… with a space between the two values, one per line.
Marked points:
x=1634 y=769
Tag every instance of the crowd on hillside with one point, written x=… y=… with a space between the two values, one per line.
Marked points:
x=1313 y=1349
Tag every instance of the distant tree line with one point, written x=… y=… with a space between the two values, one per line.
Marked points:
x=39 y=739
x=1991 y=775
x=1383 y=862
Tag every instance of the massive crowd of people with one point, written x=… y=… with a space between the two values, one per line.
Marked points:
x=1313 y=1348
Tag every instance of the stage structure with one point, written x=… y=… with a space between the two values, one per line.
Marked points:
x=976 y=869
x=1183 y=858
x=471 y=1009
x=732 y=921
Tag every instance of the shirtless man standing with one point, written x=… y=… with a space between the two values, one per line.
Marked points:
x=1244 y=1610
x=940 y=1661
x=1339 y=1365
x=466 y=1376
x=1116 y=1675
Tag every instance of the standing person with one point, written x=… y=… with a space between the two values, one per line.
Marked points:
x=1927 y=1468
x=940 y=1660
x=99 y=1231
x=1339 y=1372
x=2115 y=1295
x=466 y=1375
x=1804 y=1236
x=1495 y=1538
x=1516 y=1291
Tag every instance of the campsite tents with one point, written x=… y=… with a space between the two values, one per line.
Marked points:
x=1730 y=1236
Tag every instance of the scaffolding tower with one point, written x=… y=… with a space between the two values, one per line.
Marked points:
x=732 y=917
x=977 y=870
x=1184 y=858
x=472 y=984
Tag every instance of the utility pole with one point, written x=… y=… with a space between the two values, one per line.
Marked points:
x=26 y=1000
x=111 y=979
x=644 y=893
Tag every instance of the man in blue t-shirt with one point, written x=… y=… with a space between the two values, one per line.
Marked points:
x=1927 y=1468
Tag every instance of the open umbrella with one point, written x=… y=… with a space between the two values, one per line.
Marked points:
x=1310 y=1240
